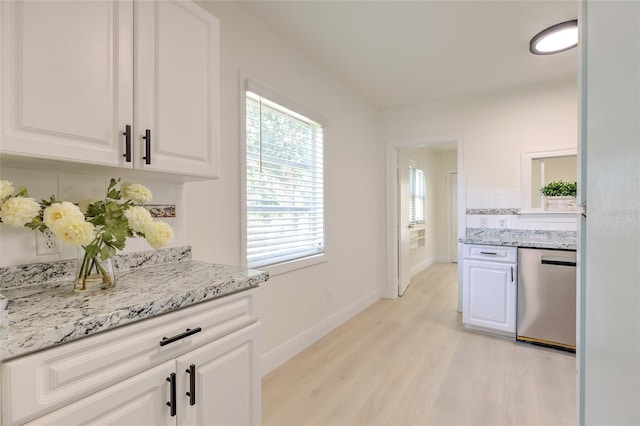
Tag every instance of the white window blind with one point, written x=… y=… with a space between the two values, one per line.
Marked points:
x=416 y=195
x=284 y=184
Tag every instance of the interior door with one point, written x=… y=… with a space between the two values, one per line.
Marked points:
x=404 y=277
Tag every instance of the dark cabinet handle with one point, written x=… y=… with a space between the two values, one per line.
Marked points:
x=489 y=252
x=147 y=146
x=192 y=384
x=172 y=394
x=512 y=274
x=557 y=262
x=127 y=143
x=189 y=332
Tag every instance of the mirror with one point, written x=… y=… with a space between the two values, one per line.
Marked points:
x=540 y=168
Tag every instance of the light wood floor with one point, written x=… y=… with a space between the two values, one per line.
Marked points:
x=408 y=362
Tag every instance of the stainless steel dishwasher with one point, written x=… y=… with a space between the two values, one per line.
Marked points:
x=547 y=297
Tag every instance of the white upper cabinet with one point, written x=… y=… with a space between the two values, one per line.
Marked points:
x=78 y=75
x=177 y=87
x=67 y=79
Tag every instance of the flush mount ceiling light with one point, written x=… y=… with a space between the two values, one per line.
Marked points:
x=555 y=39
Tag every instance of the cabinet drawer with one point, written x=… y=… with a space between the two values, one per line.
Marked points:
x=41 y=382
x=493 y=253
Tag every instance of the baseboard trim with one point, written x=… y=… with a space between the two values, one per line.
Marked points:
x=420 y=266
x=278 y=356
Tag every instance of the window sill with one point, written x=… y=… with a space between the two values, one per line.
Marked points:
x=294 y=265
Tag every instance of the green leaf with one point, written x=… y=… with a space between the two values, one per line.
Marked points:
x=560 y=189
x=92 y=249
x=107 y=252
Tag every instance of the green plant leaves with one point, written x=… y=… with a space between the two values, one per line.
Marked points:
x=560 y=189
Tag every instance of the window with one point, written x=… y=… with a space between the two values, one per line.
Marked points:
x=540 y=168
x=416 y=195
x=284 y=185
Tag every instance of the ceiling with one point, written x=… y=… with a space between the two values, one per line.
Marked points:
x=398 y=53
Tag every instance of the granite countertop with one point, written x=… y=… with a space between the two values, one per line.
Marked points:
x=521 y=238
x=46 y=314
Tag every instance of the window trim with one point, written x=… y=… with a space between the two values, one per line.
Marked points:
x=248 y=83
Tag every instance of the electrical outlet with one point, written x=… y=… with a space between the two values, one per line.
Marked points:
x=47 y=243
x=483 y=222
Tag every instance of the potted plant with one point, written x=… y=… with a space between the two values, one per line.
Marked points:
x=560 y=196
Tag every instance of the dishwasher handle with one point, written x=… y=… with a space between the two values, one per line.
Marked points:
x=557 y=261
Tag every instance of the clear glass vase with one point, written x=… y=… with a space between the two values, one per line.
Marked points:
x=93 y=273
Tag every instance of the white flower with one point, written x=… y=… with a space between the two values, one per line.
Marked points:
x=158 y=234
x=137 y=193
x=74 y=230
x=58 y=211
x=18 y=211
x=6 y=189
x=138 y=218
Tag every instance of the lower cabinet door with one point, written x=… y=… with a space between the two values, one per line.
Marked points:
x=489 y=295
x=140 y=400
x=222 y=380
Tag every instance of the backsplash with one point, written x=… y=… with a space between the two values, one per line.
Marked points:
x=18 y=245
x=500 y=210
x=532 y=222
x=542 y=235
x=492 y=211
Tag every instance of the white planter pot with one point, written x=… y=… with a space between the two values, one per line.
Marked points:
x=560 y=204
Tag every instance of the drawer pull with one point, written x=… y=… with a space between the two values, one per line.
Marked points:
x=172 y=394
x=489 y=252
x=189 y=332
x=192 y=384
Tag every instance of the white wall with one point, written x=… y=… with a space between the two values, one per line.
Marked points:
x=609 y=345
x=497 y=128
x=300 y=306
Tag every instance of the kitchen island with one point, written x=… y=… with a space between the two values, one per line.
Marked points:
x=69 y=357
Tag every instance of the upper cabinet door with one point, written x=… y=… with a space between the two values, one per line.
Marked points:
x=177 y=88
x=67 y=79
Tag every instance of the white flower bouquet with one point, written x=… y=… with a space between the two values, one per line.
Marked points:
x=101 y=229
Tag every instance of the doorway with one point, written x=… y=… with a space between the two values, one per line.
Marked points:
x=451 y=230
x=452 y=215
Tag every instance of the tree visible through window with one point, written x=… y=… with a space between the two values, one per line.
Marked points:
x=416 y=195
x=284 y=184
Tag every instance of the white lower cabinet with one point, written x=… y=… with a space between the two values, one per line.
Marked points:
x=225 y=377
x=194 y=366
x=490 y=289
x=212 y=385
x=140 y=400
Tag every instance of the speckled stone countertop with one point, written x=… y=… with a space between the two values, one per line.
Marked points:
x=49 y=313
x=521 y=238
